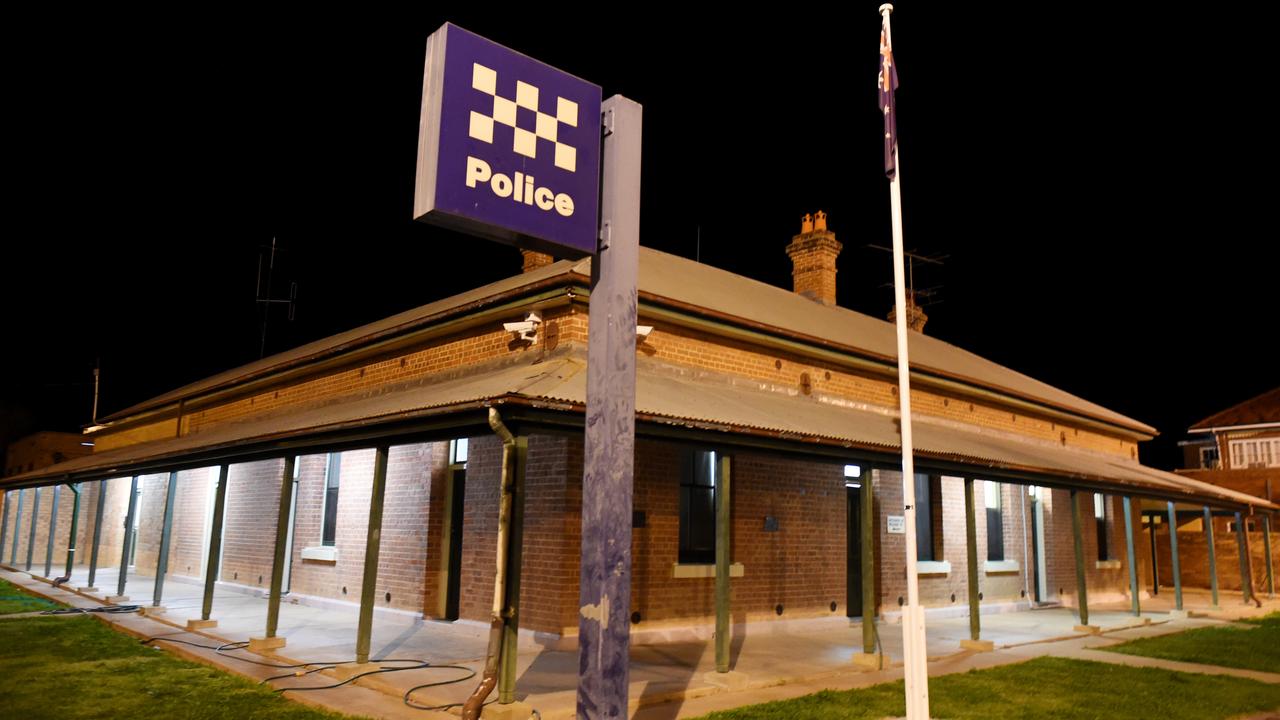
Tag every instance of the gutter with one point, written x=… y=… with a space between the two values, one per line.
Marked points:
x=471 y=709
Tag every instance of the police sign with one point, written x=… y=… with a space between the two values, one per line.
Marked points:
x=508 y=147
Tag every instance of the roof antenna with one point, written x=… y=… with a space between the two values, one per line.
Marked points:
x=97 y=375
x=265 y=300
x=697 y=252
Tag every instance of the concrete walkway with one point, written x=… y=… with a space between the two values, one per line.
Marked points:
x=772 y=660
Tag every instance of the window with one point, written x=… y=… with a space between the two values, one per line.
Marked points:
x=1100 y=519
x=928 y=517
x=458 y=452
x=1264 y=452
x=698 y=508
x=333 y=470
x=995 y=520
x=1209 y=457
x=853 y=476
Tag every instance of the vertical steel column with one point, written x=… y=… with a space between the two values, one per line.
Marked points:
x=1155 y=560
x=1173 y=553
x=31 y=537
x=282 y=536
x=215 y=541
x=97 y=531
x=1131 y=556
x=1242 y=543
x=128 y=535
x=1213 y=555
x=1266 y=546
x=75 y=528
x=868 y=564
x=4 y=526
x=971 y=544
x=723 y=540
x=604 y=595
x=372 y=548
x=17 y=528
x=53 y=530
x=511 y=588
x=166 y=533
x=1082 y=590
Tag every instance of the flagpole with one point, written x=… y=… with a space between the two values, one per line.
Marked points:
x=915 y=668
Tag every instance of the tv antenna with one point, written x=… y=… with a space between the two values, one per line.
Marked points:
x=263 y=295
x=912 y=257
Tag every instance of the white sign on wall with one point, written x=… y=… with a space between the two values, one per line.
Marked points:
x=897 y=525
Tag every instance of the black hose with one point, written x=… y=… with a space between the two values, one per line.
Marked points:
x=102 y=609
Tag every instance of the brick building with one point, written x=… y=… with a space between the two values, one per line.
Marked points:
x=798 y=393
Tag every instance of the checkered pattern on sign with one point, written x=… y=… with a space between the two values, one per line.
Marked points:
x=546 y=127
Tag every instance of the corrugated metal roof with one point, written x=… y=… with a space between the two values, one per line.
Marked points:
x=670 y=393
x=689 y=283
x=1259 y=410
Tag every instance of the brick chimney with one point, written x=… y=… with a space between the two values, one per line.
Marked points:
x=534 y=260
x=916 y=318
x=813 y=259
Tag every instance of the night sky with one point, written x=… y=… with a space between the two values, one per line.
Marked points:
x=1102 y=186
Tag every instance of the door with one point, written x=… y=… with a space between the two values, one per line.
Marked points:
x=1037 y=543
x=853 y=556
x=453 y=579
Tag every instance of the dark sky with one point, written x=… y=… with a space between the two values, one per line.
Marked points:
x=1102 y=186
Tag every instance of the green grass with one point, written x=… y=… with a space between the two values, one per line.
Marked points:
x=72 y=668
x=1047 y=687
x=14 y=599
x=1249 y=648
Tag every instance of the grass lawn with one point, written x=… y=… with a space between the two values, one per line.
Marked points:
x=1255 y=648
x=1046 y=687
x=79 y=668
x=14 y=599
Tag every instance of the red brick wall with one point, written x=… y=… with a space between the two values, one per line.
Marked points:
x=1193 y=555
x=249 y=531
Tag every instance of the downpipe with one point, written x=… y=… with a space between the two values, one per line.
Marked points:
x=471 y=709
x=71 y=543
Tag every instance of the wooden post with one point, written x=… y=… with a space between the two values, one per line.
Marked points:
x=53 y=532
x=214 y=558
x=372 y=549
x=166 y=535
x=1131 y=556
x=17 y=528
x=723 y=546
x=604 y=596
x=97 y=535
x=1082 y=590
x=1213 y=555
x=128 y=536
x=1173 y=553
x=1242 y=543
x=31 y=537
x=971 y=544
x=282 y=536
x=515 y=557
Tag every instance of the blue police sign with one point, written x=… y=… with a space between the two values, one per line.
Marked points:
x=508 y=147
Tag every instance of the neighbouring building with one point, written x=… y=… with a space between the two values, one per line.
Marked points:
x=798 y=393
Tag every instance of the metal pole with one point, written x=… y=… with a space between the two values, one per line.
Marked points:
x=75 y=528
x=971 y=543
x=372 y=547
x=1155 y=559
x=723 y=540
x=915 y=661
x=1242 y=544
x=215 y=542
x=128 y=536
x=1266 y=546
x=31 y=537
x=1132 y=556
x=868 y=565
x=1213 y=555
x=4 y=527
x=166 y=533
x=97 y=532
x=17 y=528
x=515 y=559
x=282 y=536
x=604 y=594
x=53 y=530
x=1082 y=590
x=1173 y=556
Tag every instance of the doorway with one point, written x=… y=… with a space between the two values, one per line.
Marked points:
x=1037 y=543
x=133 y=530
x=853 y=556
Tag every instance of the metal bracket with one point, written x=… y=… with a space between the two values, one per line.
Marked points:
x=604 y=234
x=606 y=122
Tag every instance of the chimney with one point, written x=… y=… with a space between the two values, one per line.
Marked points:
x=813 y=258
x=534 y=260
x=916 y=318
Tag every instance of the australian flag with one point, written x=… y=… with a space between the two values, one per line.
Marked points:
x=888 y=82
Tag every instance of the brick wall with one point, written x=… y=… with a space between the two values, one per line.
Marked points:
x=1193 y=555
x=249 y=530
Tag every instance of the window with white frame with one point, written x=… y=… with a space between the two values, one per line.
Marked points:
x=995 y=519
x=1259 y=452
x=332 y=475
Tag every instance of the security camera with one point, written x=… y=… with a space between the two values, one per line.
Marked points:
x=527 y=330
